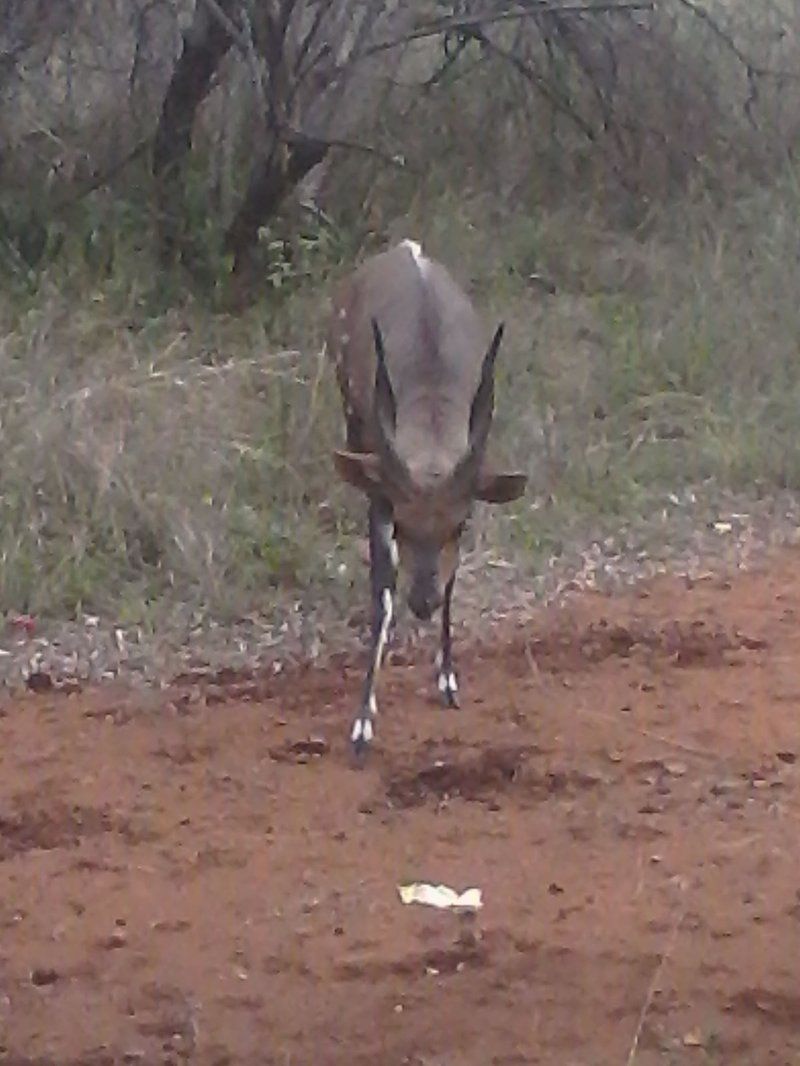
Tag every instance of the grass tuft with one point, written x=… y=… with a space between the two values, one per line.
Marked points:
x=154 y=457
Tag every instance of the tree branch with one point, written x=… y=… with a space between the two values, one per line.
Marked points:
x=753 y=69
x=236 y=34
x=295 y=137
x=244 y=41
x=473 y=22
x=142 y=148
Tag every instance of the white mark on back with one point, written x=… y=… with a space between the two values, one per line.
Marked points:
x=416 y=250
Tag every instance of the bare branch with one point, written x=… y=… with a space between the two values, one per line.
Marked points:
x=753 y=69
x=540 y=84
x=473 y=22
x=139 y=150
x=305 y=45
x=295 y=137
x=237 y=35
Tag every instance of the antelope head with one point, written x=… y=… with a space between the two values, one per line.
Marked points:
x=431 y=501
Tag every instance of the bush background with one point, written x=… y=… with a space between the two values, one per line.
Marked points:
x=619 y=185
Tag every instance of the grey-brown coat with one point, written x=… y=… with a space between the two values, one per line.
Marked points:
x=415 y=368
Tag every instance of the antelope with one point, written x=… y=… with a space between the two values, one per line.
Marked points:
x=416 y=377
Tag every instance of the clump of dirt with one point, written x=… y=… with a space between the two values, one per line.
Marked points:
x=685 y=644
x=31 y=826
x=176 y=888
x=438 y=960
x=480 y=776
x=780 y=1008
x=299 y=751
x=100 y=1058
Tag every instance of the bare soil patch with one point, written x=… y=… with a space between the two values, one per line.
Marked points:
x=202 y=877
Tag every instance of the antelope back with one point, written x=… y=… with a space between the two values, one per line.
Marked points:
x=434 y=345
x=417 y=383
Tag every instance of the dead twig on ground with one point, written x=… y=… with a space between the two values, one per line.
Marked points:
x=663 y=959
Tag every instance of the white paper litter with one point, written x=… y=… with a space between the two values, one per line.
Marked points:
x=441 y=896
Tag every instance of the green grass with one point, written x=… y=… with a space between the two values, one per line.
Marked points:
x=153 y=457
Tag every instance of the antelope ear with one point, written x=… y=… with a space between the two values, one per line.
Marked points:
x=361 y=469
x=500 y=488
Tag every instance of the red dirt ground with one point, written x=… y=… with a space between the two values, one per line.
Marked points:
x=184 y=879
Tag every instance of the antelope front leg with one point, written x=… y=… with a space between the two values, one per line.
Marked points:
x=383 y=578
x=446 y=680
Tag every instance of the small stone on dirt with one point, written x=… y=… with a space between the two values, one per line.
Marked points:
x=720 y=788
x=300 y=751
x=693 y=1039
x=39 y=682
x=676 y=769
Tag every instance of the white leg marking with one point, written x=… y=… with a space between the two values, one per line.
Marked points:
x=448 y=687
x=362 y=731
x=387 y=536
x=386 y=599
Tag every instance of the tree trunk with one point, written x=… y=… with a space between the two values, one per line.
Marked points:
x=205 y=44
x=271 y=180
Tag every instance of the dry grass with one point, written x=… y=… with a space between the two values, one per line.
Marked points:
x=159 y=453
x=182 y=458
x=150 y=459
x=648 y=361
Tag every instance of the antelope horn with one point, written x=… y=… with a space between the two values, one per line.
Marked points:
x=385 y=410
x=481 y=413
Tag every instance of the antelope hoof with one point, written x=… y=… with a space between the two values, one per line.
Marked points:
x=448 y=688
x=361 y=735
